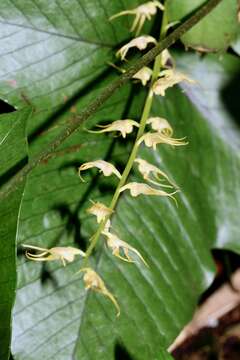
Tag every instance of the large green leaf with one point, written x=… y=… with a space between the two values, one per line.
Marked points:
x=54 y=317
x=12 y=153
x=215 y=32
x=51 y=51
x=56 y=52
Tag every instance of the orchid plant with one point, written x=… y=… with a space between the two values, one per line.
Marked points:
x=158 y=79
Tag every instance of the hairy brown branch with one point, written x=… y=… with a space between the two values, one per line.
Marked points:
x=106 y=94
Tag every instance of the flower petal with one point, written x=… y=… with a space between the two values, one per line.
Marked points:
x=56 y=253
x=137 y=189
x=117 y=244
x=99 y=210
x=140 y=42
x=144 y=75
x=142 y=12
x=161 y=125
x=123 y=126
x=105 y=167
x=94 y=282
x=146 y=169
x=153 y=139
x=168 y=79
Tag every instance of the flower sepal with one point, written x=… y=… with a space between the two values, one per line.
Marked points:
x=94 y=282
x=56 y=253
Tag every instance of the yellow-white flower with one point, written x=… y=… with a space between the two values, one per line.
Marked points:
x=160 y=125
x=94 y=282
x=56 y=253
x=123 y=126
x=144 y=75
x=142 y=12
x=153 y=139
x=137 y=189
x=169 y=78
x=105 y=167
x=147 y=170
x=116 y=245
x=99 y=210
x=140 y=42
x=166 y=59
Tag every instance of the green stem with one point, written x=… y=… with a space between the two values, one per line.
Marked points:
x=163 y=31
x=132 y=157
x=107 y=92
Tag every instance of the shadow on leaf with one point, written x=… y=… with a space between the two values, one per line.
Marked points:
x=230 y=97
x=120 y=353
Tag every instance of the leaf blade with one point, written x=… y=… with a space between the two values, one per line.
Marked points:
x=13 y=148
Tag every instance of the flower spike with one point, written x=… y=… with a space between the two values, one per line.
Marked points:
x=169 y=78
x=116 y=244
x=99 y=210
x=123 y=126
x=142 y=12
x=105 y=167
x=94 y=282
x=146 y=169
x=137 y=189
x=153 y=139
x=140 y=42
x=160 y=125
x=56 y=253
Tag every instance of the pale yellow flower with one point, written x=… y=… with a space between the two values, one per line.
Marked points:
x=153 y=139
x=116 y=245
x=147 y=170
x=144 y=75
x=94 y=282
x=140 y=42
x=166 y=59
x=56 y=253
x=105 y=167
x=123 y=126
x=160 y=125
x=169 y=78
x=99 y=210
x=142 y=12
x=137 y=189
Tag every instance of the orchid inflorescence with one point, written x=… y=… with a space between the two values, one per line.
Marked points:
x=154 y=179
